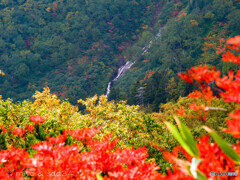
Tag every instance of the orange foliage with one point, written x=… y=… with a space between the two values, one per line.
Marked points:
x=48 y=9
x=183 y=13
x=215 y=42
x=149 y=74
x=2 y=73
x=145 y=27
x=55 y=7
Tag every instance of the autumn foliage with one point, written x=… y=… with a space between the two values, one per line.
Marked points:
x=46 y=146
x=211 y=157
x=55 y=159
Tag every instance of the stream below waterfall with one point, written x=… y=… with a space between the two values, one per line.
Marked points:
x=129 y=64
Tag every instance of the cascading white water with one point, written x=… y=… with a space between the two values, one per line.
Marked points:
x=129 y=64
x=109 y=88
x=121 y=71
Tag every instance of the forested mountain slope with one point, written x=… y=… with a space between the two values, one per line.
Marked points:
x=75 y=47
x=72 y=46
x=195 y=31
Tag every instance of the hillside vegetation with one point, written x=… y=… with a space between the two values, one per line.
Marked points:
x=71 y=46
x=143 y=130
x=194 y=33
x=75 y=47
x=50 y=138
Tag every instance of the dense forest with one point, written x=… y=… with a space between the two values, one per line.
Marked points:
x=194 y=31
x=173 y=114
x=75 y=47
x=71 y=46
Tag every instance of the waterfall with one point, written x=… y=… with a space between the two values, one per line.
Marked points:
x=121 y=71
x=108 y=88
x=129 y=64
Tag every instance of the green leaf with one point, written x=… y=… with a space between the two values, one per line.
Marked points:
x=181 y=141
x=187 y=136
x=227 y=149
x=201 y=176
x=99 y=177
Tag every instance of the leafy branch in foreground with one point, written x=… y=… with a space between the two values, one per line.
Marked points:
x=206 y=157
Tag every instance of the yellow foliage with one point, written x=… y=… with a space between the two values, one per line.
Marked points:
x=22 y=53
x=69 y=15
x=13 y=46
x=145 y=27
x=49 y=105
x=194 y=22
x=127 y=122
x=48 y=9
x=45 y=98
